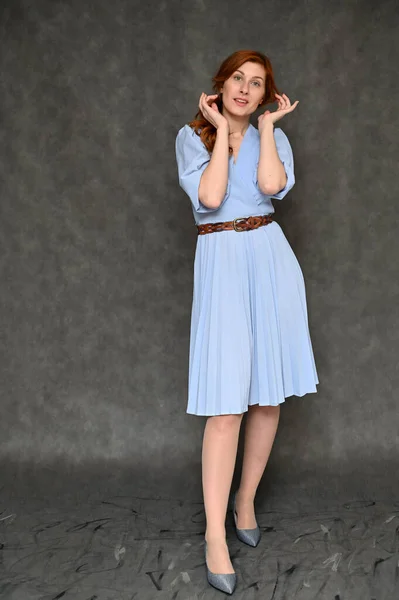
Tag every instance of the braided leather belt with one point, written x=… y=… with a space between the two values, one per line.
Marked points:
x=239 y=224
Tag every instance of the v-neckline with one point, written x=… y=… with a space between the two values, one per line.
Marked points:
x=234 y=162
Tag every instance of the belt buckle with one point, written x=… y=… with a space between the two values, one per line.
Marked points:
x=235 y=221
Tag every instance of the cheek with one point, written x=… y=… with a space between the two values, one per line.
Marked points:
x=260 y=94
x=229 y=88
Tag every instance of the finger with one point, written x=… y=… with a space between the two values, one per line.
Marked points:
x=288 y=101
x=203 y=100
x=293 y=107
x=203 y=106
x=205 y=109
x=210 y=98
x=281 y=100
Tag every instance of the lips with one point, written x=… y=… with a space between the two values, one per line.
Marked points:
x=240 y=101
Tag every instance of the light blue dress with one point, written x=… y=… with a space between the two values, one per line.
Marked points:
x=249 y=336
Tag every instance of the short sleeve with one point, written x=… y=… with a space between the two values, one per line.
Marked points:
x=192 y=158
x=286 y=156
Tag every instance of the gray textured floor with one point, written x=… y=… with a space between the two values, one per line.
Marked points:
x=125 y=547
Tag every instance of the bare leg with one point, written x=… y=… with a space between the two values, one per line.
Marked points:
x=219 y=452
x=260 y=431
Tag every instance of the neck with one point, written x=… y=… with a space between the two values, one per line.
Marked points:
x=237 y=125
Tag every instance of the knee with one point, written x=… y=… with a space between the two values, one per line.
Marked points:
x=225 y=423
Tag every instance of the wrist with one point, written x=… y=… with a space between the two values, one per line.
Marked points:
x=267 y=126
x=223 y=129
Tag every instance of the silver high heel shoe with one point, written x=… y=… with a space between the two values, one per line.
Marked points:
x=225 y=582
x=251 y=537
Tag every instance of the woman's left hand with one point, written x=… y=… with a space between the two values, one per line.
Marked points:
x=284 y=107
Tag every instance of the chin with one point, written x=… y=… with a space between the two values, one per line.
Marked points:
x=239 y=112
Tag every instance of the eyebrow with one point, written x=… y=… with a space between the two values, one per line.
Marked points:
x=254 y=77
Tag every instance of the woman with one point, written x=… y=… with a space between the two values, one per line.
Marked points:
x=250 y=346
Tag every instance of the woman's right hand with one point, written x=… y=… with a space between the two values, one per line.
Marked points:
x=209 y=109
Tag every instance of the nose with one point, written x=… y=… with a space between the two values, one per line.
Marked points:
x=244 y=88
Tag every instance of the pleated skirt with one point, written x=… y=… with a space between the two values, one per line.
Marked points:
x=249 y=336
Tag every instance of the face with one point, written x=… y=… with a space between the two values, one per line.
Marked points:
x=246 y=83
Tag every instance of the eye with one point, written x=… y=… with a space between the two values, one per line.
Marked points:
x=257 y=83
x=237 y=76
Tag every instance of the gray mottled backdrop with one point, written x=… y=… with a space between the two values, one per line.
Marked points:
x=97 y=239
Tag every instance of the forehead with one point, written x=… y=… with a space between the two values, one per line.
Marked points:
x=251 y=69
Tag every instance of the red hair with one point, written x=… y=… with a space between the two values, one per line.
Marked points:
x=202 y=126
